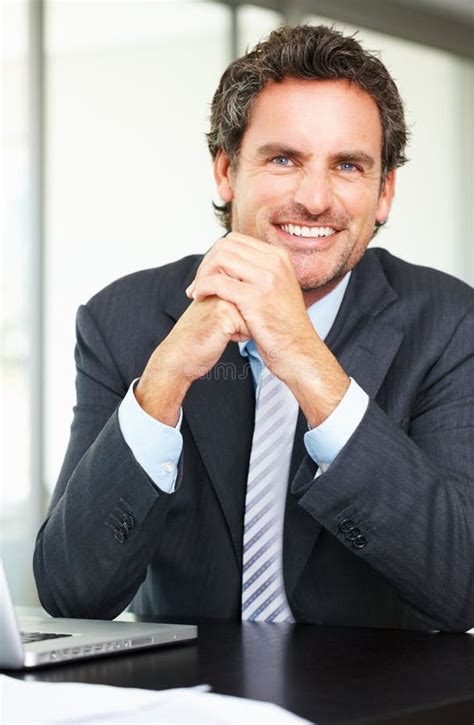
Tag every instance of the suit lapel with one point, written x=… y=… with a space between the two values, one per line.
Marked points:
x=365 y=345
x=220 y=410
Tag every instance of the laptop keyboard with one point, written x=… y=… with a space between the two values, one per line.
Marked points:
x=27 y=637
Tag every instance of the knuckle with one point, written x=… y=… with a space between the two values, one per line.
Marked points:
x=268 y=278
x=221 y=245
x=222 y=308
x=210 y=255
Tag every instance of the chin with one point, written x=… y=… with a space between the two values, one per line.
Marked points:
x=322 y=279
x=317 y=277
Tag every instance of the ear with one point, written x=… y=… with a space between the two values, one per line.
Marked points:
x=223 y=176
x=386 y=196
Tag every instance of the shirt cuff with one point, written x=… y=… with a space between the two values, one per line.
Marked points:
x=324 y=442
x=155 y=445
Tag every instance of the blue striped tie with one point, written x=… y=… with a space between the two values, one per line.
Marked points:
x=263 y=592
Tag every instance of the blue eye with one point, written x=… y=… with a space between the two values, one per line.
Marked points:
x=281 y=161
x=347 y=166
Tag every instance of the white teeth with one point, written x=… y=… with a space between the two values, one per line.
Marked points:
x=308 y=231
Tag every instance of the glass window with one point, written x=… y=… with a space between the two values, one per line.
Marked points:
x=129 y=176
x=15 y=348
x=17 y=502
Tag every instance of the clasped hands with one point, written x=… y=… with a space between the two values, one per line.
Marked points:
x=243 y=288
x=260 y=281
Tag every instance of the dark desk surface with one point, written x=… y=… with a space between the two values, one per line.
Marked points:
x=324 y=674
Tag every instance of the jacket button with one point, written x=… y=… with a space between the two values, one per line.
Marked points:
x=119 y=536
x=359 y=542
x=352 y=534
x=346 y=525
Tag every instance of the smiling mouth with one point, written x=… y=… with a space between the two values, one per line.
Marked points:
x=303 y=231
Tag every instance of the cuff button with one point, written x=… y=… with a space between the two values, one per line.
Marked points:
x=119 y=536
x=359 y=542
x=346 y=525
x=128 y=520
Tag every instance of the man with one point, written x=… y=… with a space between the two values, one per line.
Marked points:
x=280 y=430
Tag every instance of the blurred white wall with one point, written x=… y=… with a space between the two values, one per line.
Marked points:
x=16 y=524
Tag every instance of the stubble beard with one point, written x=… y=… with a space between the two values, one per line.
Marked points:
x=306 y=269
x=307 y=263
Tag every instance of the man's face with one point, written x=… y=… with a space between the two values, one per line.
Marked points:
x=308 y=176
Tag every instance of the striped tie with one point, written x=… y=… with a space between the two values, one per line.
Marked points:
x=263 y=592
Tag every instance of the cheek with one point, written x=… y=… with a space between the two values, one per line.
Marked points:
x=269 y=189
x=360 y=202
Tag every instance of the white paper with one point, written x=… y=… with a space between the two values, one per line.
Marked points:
x=51 y=702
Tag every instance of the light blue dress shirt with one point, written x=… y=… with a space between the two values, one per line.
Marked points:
x=157 y=447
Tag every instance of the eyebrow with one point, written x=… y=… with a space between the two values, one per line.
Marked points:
x=275 y=149
x=357 y=157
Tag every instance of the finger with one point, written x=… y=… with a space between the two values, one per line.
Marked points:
x=236 y=327
x=238 y=337
x=248 y=245
x=222 y=286
x=212 y=264
x=241 y=331
x=247 y=241
x=244 y=264
x=237 y=267
x=251 y=249
x=265 y=257
x=259 y=256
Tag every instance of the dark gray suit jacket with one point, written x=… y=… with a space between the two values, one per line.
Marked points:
x=404 y=479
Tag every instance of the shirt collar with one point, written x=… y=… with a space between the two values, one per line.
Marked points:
x=321 y=313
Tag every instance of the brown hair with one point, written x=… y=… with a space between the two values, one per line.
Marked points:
x=309 y=53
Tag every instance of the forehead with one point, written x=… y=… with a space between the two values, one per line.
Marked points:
x=315 y=115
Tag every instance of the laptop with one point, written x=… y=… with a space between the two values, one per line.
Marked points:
x=42 y=640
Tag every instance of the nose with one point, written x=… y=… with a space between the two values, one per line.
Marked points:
x=314 y=192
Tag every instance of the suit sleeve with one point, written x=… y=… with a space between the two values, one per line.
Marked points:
x=156 y=446
x=403 y=500
x=103 y=524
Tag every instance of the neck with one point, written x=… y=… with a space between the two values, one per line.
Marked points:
x=314 y=295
